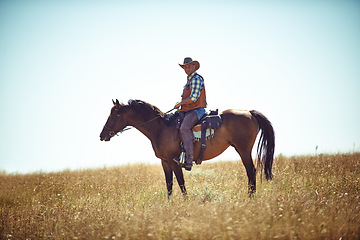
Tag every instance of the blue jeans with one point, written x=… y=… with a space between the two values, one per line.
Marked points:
x=187 y=137
x=200 y=112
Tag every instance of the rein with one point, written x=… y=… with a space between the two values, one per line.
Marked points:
x=112 y=133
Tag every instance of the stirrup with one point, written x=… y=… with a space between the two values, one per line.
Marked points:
x=180 y=160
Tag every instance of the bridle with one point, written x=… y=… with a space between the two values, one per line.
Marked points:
x=113 y=132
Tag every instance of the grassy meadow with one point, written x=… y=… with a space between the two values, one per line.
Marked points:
x=311 y=197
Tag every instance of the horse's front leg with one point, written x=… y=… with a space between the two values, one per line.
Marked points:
x=168 y=176
x=179 y=177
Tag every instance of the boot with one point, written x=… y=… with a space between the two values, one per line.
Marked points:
x=189 y=163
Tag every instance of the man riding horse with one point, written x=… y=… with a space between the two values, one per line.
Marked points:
x=193 y=104
x=239 y=129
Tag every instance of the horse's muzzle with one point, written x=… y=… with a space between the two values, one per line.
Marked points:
x=105 y=137
x=106 y=134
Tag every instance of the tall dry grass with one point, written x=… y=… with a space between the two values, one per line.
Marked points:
x=312 y=197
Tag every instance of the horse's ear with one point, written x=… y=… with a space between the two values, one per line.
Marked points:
x=117 y=102
x=113 y=101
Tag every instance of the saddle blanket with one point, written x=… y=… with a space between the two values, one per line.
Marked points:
x=197 y=134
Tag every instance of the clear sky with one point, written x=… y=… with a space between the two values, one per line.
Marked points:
x=61 y=63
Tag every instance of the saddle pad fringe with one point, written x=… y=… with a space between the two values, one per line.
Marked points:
x=209 y=134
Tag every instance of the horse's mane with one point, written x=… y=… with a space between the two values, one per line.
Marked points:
x=143 y=108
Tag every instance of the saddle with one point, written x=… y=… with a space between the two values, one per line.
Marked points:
x=210 y=121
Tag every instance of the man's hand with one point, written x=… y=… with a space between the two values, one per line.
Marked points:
x=177 y=105
x=183 y=102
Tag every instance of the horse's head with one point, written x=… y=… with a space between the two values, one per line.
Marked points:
x=115 y=122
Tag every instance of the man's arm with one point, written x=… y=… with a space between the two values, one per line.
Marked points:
x=196 y=86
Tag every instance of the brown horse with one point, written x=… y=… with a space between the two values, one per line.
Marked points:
x=239 y=129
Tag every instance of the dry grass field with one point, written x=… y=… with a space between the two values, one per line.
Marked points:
x=311 y=197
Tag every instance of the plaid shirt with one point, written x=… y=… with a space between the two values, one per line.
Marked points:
x=196 y=86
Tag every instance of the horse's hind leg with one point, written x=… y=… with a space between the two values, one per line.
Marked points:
x=250 y=169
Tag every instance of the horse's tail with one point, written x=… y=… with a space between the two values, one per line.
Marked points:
x=266 y=145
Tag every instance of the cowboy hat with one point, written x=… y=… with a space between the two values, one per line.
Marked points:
x=189 y=60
